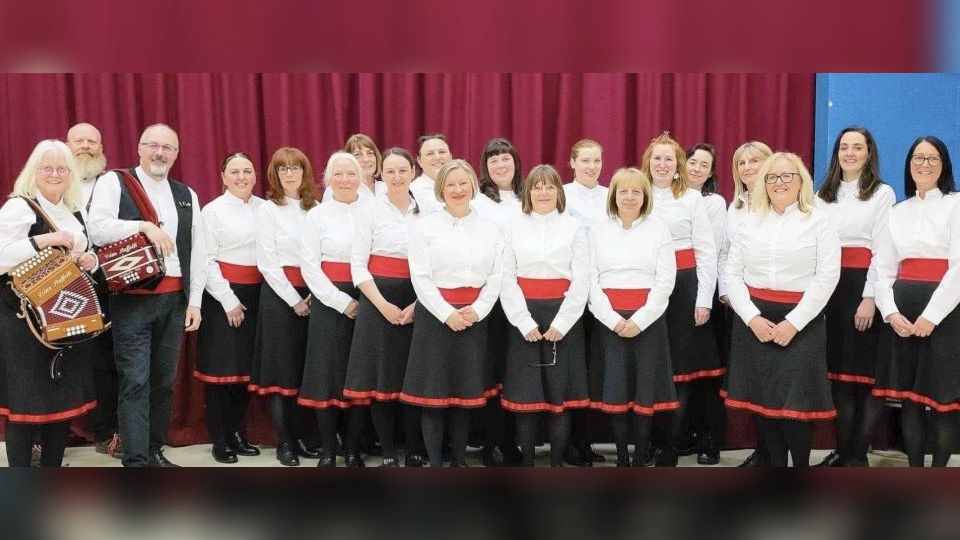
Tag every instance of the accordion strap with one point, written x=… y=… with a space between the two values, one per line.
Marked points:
x=39 y=211
x=139 y=197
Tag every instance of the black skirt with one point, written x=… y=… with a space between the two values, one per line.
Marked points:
x=922 y=370
x=328 y=350
x=780 y=382
x=632 y=375
x=556 y=388
x=693 y=349
x=27 y=393
x=279 y=347
x=851 y=354
x=447 y=368
x=379 y=351
x=224 y=353
x=498 y=328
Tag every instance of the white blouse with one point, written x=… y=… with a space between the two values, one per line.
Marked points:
x=639 y=258
x=796 y=251
x=448 y=253
x=16 y=219
x=587 y=204
x=422 y=188
x=927 y=228
x=553 y=246
x=278 y=245
x=860 y=223
x=716 y=207
x=230 y=230
x=380 y=228
x=328 y=237
x=502 y=213
x=690 y=228
x=731 y=228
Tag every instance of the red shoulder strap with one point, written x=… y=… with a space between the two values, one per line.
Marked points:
x=139 y=197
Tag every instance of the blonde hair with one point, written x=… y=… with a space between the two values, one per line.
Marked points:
x=681 y=181
x=26 y=182
x=581 y=144
x=739 y=189
x=445 y=170
x=633 y=176
x=760 y=202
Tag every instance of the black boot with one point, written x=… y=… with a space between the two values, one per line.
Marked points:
x=224 y=454
x=572 y=456
x=240 y=446
x=833 y=459
x=286 y=456
x=302 y=450
x=327 y=459
x=709 y=453
x=353 y=459
x=756 y=459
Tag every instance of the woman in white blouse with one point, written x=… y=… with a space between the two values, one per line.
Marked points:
x=693 y=349
x=455 y=266
x=281 y=336
x=783 y=267
x=632 y=273
x=365 y=150
x=225 y=341
x=545 y=286
x=37 y=407
x=325 y=249
x=917 y=292
x=381 y=338
x=859 y=205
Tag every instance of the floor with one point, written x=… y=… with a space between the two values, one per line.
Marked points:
x=199 y=456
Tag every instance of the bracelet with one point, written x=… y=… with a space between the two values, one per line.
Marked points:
x=33 y=242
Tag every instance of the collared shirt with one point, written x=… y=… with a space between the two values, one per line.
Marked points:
x=363 y=191
x=796 y=251
x=927 y=228
x=423 y=188
x=380 y=229
x=447 y=252
x=16 y=219
x=641 y=257
x=105 y=227
x=278 y=245
x=731 y=228
x=690 y=227
x=230 y=232
x=587 y=204
x=716 y=207
x=551 y=246
x=860 y=223
x=328 y=237
x=501 y=213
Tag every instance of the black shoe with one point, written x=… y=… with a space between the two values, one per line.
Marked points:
x=499 y=456
x=708 y=456
x=224 y=454
x=327 y=459
x=691 y=446
x=372 y=449
x=666 y=457
x=414 y=459
x=623 y=461
x=286 y=456
x=458 y=464
x=390 y=462
x=833 y=459
x=588 y=454
x=512 y=456
x=240 y=446
x=858 y=462
x=756 y=459
x=353 y=459
x=158 y=460
x=300 y=447
x=572 y=457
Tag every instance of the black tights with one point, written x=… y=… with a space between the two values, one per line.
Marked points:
x=944 y=427
x=704 y=412
x=431 y=421
x=288 y=418
x=226 y=407
x=51 y=437
x=857 y=414
x=787 y=436
x=327 y=421
x=528 y=425
x=498 y=430
x=642 y=426
x=385 y=415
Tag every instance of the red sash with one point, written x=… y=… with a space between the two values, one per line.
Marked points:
x=337 y=272
x=923 y=269
x=686 y=258
x=780 y=297
x=543 y=289
x=627 y=299
x=239 y=274
x=294 y=276
x=460 y=296
x=388 y=267
x=167 y=285
x=855 y=257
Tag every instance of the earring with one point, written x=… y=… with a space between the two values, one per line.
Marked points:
x=676 y=176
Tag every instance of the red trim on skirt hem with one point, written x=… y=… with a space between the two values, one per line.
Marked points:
x=48 y=418
x=916 y=398
x=212 y=379
x=633 y=407
x=450 y=401
x=857 y=379
x=326 y=404
x=703 y=374
x=371 y=394
x=780 y=414
x=266 y=390
x=543 y=406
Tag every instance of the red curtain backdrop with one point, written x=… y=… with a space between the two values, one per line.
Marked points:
x=543 y=114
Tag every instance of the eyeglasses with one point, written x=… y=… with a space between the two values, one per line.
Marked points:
x=786 y=177
x=918 y=159
x=544 y=355
x=153 y=147
x=49 y=170
x=284 y=169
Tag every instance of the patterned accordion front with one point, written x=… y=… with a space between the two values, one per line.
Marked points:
x=60 y=295
x=131 y=263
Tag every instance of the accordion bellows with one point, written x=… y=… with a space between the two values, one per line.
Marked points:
x=60 y=295
x=130 y=263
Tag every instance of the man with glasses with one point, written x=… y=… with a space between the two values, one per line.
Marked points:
x=148 y=325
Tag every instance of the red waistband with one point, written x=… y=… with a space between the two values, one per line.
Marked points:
x=461 y=295
x=780 y=297
x=627 y=299
x=686 y=258
x=294 y=276
x=389 y=267
x=337 y=271
x=855 y=257
x=543 y=289
x=923 y=269
x=167 y=285
x=240 y=274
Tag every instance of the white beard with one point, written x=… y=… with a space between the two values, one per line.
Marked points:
x=159 y=169
x=90 y=167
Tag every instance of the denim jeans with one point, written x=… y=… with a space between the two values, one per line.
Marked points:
x=147 y=334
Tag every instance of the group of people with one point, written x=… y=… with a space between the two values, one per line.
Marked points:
x=514 y=304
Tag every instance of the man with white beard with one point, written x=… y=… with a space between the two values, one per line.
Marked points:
x=148 y=325
x=85 y=142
